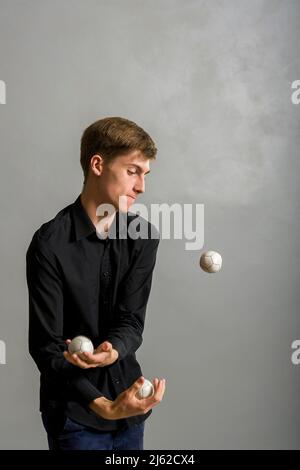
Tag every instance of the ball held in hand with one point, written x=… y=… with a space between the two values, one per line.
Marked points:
x=146 y=390
x=80 y=344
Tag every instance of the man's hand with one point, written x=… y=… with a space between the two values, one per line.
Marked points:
x=127 y=403
x=103 y=356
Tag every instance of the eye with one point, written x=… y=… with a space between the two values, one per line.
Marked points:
x=131 y=172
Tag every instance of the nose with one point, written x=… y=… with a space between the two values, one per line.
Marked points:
x=139 y=186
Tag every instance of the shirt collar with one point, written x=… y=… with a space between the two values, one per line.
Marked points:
x=82 y=223
x=83 y=226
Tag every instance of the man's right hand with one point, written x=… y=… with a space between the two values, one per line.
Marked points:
x=127 y=404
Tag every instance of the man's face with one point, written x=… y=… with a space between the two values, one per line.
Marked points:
x=124 y=176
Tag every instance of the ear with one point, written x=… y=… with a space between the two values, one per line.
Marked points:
x=96 y=164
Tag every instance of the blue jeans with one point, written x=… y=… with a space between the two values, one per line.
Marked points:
x=75 y=436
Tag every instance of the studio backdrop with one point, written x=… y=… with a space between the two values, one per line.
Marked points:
x=216 y=85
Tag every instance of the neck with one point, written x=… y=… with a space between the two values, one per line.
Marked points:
x=90 y=201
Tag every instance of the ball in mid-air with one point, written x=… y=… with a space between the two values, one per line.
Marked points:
x=211 y=261
x=80 y=344
x=146 y=390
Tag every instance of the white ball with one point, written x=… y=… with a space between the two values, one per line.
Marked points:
x=146 y=390
x=211 y=261
x=80 y=344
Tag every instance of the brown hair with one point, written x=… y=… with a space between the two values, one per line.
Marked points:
x=113 y=136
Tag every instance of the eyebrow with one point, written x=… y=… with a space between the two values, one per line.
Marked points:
x=138 y=167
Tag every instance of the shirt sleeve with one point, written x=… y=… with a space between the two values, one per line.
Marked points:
x=46 y=343
x=125 y=333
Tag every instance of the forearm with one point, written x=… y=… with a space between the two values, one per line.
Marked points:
x=103 y=407
x=125 y=340
x=113 y=410
x=127 y=403
x=125 y=332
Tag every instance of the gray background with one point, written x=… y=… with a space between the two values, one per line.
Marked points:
x=211 y=82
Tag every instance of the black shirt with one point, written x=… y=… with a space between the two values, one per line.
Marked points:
x=82 y=284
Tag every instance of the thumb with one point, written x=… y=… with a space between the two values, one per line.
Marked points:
x=137 y=384
x=106 y=346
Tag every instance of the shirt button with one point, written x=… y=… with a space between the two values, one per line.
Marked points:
x=106 y=274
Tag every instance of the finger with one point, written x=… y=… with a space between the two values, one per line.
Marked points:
x=98 y=358
x=88 y=357
x=79 y=362
x=107 y=346
x=158 y=392
x=155 y=383
x=93 y=360
x=68 y=341
x=136 y=385
x=75 y=360
x=69 y=358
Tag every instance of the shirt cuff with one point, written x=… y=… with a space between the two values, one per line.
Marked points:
x=87 y=391
x=119 y=346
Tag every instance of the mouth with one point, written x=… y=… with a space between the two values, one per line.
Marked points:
x=132 y=197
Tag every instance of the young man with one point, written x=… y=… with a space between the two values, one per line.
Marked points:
x=87 y=276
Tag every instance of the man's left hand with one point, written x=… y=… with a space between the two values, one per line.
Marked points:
x=103 y=356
